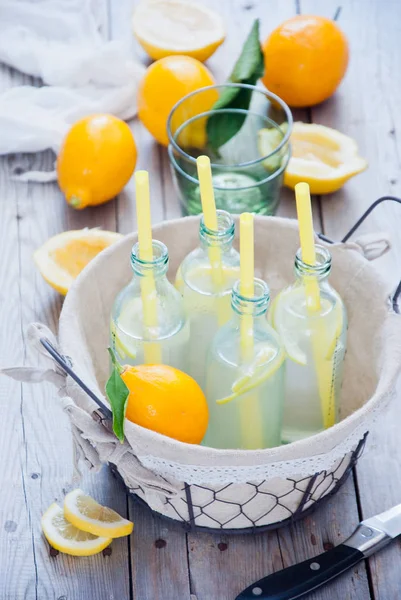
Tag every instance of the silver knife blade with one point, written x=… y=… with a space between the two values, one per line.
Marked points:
x=388 y=521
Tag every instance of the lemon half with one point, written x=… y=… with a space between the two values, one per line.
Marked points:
x=323 y=157
x=168 y=27
x=62 y=257
x=85 y=513
x=67 y=538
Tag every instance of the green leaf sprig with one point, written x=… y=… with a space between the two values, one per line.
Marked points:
x=117 y=393
x=221 y=127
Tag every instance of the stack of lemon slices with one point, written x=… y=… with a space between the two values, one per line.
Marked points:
x=82 y=527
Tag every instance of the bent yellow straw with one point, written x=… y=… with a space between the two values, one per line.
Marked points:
x=324 y=368
x=251 y=423
x=211 y=222
x=152 y=350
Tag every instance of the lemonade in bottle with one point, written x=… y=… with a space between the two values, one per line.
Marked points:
x=207 y=299
x=206 y=276
x=245 y=391
x=166 y=339
x=148 y=322
x=311 y=320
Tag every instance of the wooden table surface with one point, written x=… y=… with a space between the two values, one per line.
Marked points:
x=159 y=561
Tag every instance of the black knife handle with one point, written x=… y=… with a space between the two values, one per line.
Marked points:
x=304 y=577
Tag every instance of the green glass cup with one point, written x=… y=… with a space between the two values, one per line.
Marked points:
x=248 y=169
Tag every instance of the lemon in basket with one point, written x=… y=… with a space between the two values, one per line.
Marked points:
x=166 y=400
x=61 y=259
x=157 y=397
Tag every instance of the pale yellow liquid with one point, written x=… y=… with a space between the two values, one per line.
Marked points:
x=315 y=345
x=206 y=312
x=128 y=345
x=251 y=420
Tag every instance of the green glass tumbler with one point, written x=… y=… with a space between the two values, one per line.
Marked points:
x=248 y=169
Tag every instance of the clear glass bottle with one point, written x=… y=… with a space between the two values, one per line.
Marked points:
x=163 y=340
x=315 y=339
x=207 y=298
x=250 y=380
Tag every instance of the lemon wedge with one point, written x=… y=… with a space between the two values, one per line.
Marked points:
x=63 y=536
x=61 y=259
x=266 y=363
x=86 y=514
x=168 y=27
x=323 y=157
x=267 y=141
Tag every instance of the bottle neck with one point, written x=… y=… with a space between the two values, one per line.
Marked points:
x=320 y=270
x=223 y=237
x=255 y=305
x=158 y=266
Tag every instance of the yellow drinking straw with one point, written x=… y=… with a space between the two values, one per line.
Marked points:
x=247 y=270
x=324 y=367
x=211 y=222
x=152 y=350
x=251 y=423
x=304 y=211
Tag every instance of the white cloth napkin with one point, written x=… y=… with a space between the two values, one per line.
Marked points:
x=59 y=41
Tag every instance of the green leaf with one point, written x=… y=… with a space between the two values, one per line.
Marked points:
x=248 y=69
x=250 y=64
x=117 y=393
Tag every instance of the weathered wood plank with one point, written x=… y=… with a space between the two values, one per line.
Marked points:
x=365 y=107
x=36 y=444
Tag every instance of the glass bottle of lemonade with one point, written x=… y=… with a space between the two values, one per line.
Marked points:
x=315 y=340
x=163 y=340
x=205 y=279
x=245 y=390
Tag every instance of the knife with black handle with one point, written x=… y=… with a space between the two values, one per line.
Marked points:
x=294 y=582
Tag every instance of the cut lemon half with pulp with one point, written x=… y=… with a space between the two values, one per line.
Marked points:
x=61 y=259
x=67 y=538
x=86 y=514
x=322 y=157
x=168 y=27
x=266 y=363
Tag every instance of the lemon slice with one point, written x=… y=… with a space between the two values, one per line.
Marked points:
x=66 y=538
x=323 y=157
x=123 y=344
x=267 y=141
x=61 y=259
x=86 y=514
x=168 y=27
x=256 y=373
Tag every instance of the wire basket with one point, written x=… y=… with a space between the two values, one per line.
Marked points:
x=235 y=491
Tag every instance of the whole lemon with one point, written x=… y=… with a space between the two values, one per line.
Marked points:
x=96 y=160
x=166 y=82
x=166 y=400
x=306 y=58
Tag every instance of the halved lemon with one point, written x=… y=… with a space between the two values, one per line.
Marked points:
x=168 y=27
x=323 y=157
x=86 y=514
x=61 y=259
x=67 y=538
